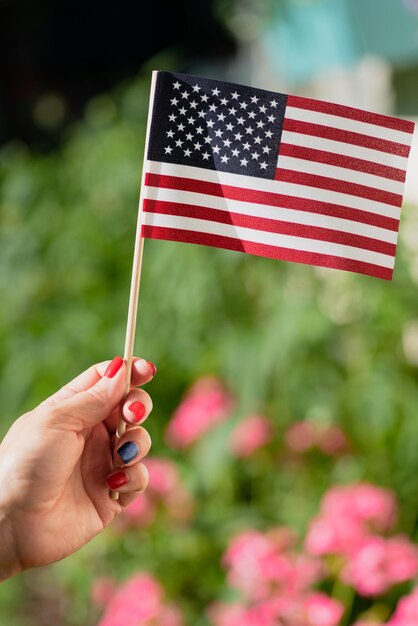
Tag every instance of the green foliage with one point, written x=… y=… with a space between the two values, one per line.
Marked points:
x=288 y=340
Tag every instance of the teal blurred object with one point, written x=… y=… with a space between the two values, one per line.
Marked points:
x=308 y=38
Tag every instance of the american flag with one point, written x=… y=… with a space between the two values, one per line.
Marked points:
x=273 y=175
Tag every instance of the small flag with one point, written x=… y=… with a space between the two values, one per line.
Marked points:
x=274 y=175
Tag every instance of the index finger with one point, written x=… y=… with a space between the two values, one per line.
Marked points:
x=142 y=372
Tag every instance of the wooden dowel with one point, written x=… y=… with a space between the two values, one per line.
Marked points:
x=135 y=283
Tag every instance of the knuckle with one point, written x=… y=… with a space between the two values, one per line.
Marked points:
x=143 y=478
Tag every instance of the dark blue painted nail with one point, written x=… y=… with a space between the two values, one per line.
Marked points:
x=128 y=451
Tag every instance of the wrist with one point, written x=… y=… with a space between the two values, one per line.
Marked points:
x=9 y=563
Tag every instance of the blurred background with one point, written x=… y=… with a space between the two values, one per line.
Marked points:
x=284 y=470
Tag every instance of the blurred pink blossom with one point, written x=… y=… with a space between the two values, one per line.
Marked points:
x=252 y=433
x=102 y=590
x=333 y=535
x=320 y=610
x=406 y=613
x=205 y=405
x=363 y=502
x=307 y=434
x=380 y=563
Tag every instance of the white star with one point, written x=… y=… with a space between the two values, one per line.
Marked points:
x=246 y=145
x=257 y=140
x=251 y=115
x=174 y=101
x=263 y=109
x=170 y=133
x=263 y=166
x=187 y=152
x=249 y=130
x=235 y=95
x=244 y=162
x=211 y=123
x=216 y=149
x=189 y=137
x=197 y=146
x=227 y=143
x=182 y=111
x=172 y=117
x=205 y=155
x=273 y=103
x=243 y=105
x=235 y=152
x=201 y=113
x=240 y=120
x=260 y=124
x=180 y=127
x=204 y=98
x=269 y=134
x=168 y=150
x=229 y=126
x=224 y=159
x=191 y=120
x=270 y=118
x=254 y=99
x=224 y=101
x=208 y=140
x=238 y=136
x=215 y=91
x=213 y=108
x=232 y=111
x=179 y=143
x=218 y=133
x=193 y=104
x=199 y=130
x=221 y=117
x=255 y=155
x=266 y=149
x=185 y=94
x=196 y=88
x=177 y=85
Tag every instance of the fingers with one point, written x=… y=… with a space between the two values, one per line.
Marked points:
x=133 y=446
x=129 y=482
x=142 y=372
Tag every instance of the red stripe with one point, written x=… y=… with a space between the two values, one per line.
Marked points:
x=269 y=225
x=339 y=160
x=271 y=199
x=341 y=186
x=272 y=252
x=351 y=113
x=346 y=136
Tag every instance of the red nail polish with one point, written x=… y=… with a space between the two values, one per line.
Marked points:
x=138 y=409
x=113 y=367
x=114 y=481
x=152 y=366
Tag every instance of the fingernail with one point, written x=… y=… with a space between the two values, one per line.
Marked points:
x=117 y=480
x=153 y=368
x=128 y=451
x=113 y=367
x=138 y=409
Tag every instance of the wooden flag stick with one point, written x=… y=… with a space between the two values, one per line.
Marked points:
x=135 y=283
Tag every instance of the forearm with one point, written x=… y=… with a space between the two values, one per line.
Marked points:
x=9 y=563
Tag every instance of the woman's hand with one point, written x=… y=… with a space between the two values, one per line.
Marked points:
x=56 y=465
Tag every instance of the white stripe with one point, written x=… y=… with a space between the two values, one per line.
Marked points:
x=339 y=173
x=344 y=123
x=274 y=186
x=271 y=239
x=269 y=212
x=346 y=149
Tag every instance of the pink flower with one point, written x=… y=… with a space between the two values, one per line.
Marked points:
x=140 y=512
x=332 y=440
x=102 y=590
x=206 y=404
x=252 y=433
x=306 y=435
x=363 y=502
x=301 y=436
x=140 y=602
x=380 y=563
x=406 y=613
x=321 y=610
x=333 y=535
x=163 y=475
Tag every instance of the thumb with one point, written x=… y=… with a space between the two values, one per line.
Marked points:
x=93 y=405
